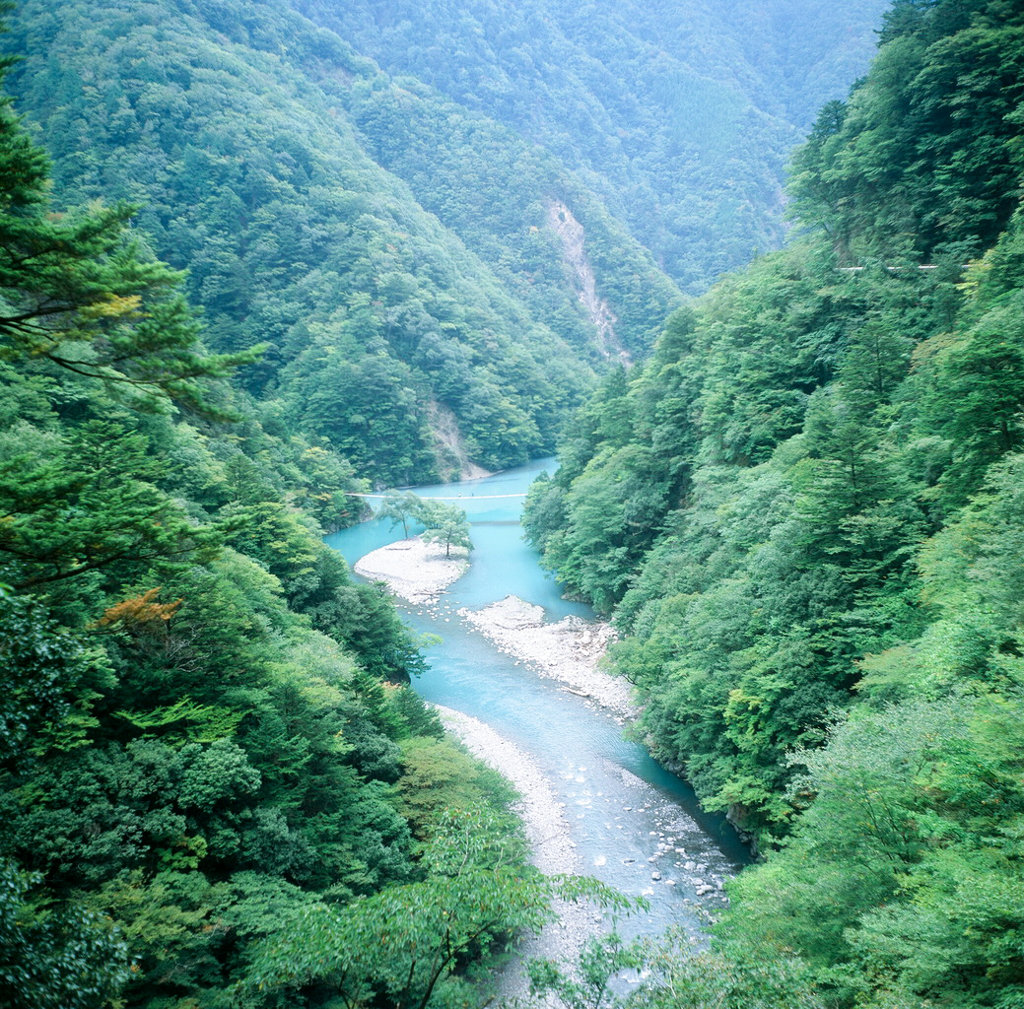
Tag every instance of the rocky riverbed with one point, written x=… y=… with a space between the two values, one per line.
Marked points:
x=583 y=811
x=568 y=650
x=553 y=850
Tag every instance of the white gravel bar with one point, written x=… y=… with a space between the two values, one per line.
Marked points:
x=552 y=849
x=568 y=651
x=543 y=816
x=413 y=569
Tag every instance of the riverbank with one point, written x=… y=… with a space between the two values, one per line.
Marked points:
x=543 y=816
x=631 y=821
x=553 y=851
x=568 y=651
x=414 y=569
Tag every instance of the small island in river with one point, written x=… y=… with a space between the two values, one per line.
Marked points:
x=414 y=569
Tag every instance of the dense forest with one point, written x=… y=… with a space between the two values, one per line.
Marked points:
x=257 y=256
x=435 y=282
x=803 y=516
x=680 y=116
x=207 y=738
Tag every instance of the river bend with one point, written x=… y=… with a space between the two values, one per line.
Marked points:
x=632 y=823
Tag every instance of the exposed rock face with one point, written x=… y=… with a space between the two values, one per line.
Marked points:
x=453 y=462
x=570 y=233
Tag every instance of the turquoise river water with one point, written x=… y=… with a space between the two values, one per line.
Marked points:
x=620 y=803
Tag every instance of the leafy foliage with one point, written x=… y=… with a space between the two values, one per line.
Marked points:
x=54 y=957
x=678 y=117
x=803 y=510
x=822 y=611
x=403 y=944
x=446 y=524
x=673 y=974
x=78 y=291
x=202 y=732
x=442 y=522
x=416 y=247
x=375 y=316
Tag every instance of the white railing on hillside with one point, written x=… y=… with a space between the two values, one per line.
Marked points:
x=924 y=266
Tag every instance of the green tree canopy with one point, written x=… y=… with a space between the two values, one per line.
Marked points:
x=445 y=523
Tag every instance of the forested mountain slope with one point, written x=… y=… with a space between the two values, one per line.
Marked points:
x=680 y=115
x=804 y=516
x=246 y=136
x=431 y=254
x=207 y=740
x=803 y=510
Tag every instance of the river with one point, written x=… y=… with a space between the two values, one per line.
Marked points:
x=630 y=819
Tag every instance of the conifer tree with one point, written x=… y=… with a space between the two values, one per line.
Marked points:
x=79 y=291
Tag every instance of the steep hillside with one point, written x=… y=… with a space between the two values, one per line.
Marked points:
x=393 y=239
x=805 y=516
x=253 y=177
x=681 y=116
x=207 y=737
